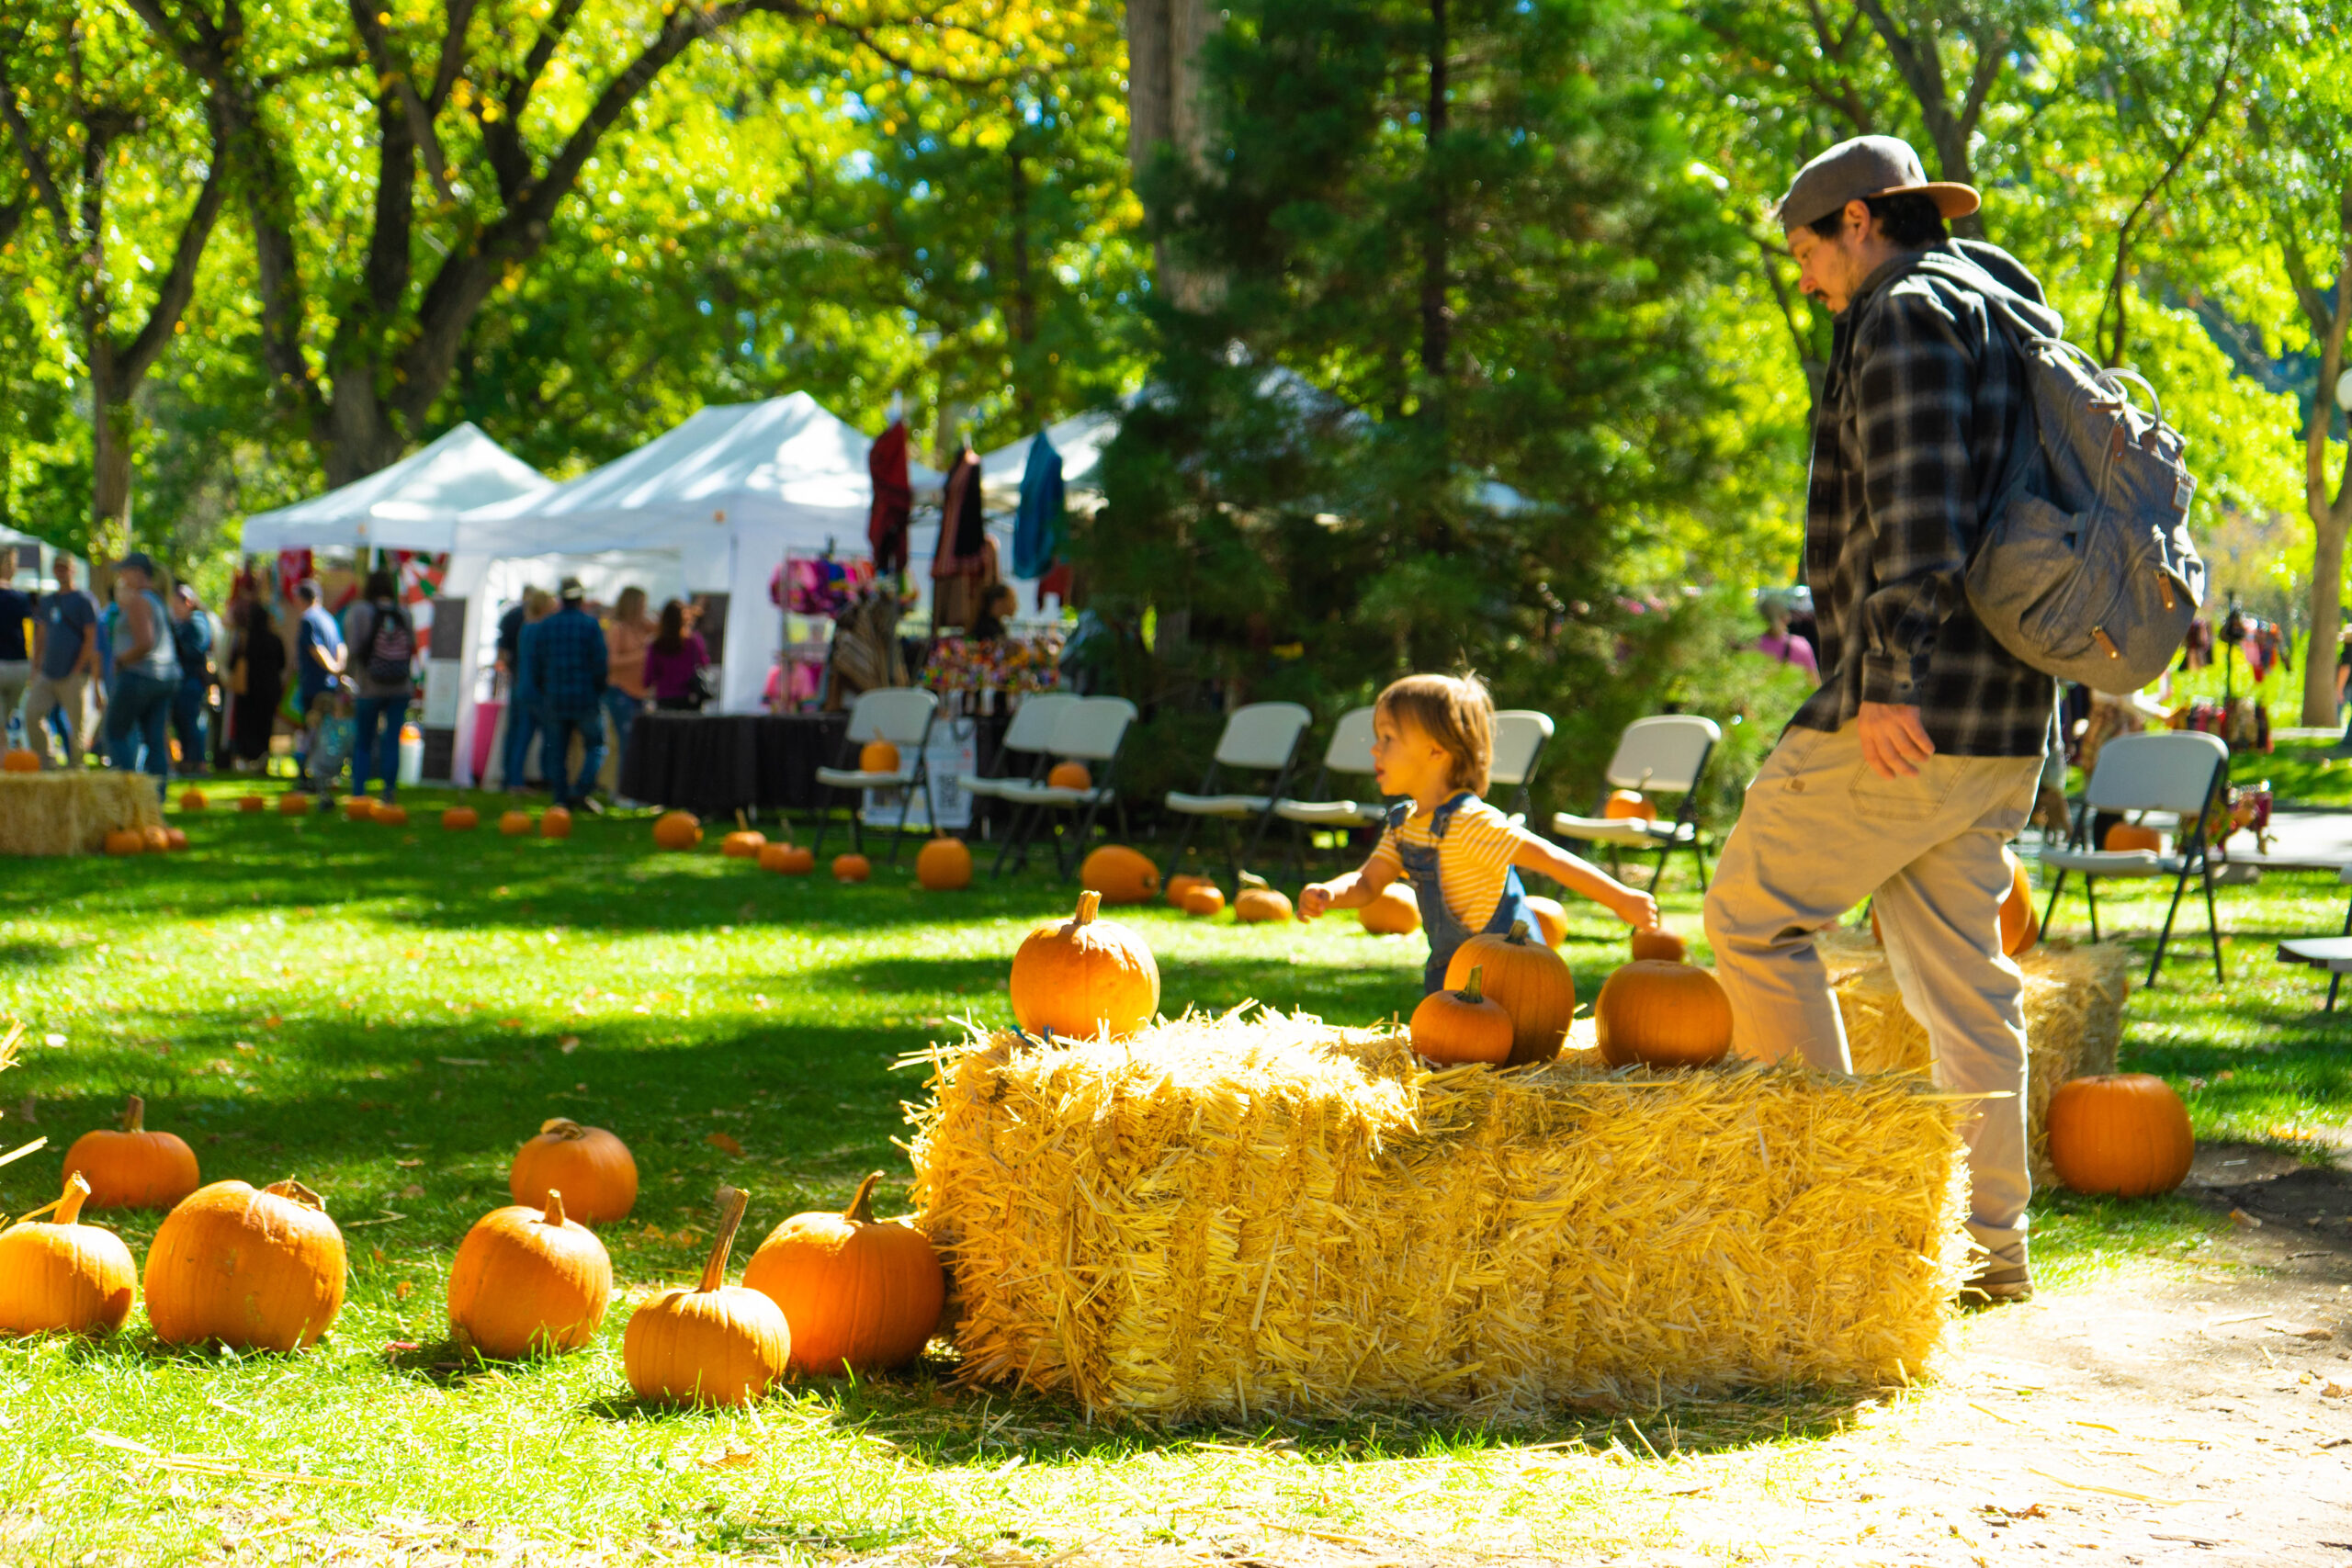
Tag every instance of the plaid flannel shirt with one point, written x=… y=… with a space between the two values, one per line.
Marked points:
x=1924 y=397
x=563 y=664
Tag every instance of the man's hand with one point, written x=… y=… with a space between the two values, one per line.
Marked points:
x=1894 y=741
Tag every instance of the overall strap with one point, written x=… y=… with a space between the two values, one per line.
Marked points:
x=1397 y=815
x=1442 y=817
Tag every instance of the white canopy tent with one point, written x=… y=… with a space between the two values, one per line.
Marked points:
x=412 y=505
x=35 y=561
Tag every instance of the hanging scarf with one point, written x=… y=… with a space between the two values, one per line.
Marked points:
x=894 y=497
x=962 y=526
x=1038 y=525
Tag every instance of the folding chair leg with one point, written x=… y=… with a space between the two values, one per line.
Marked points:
x=2213 y=924
x=2090 y=900
x=2179 y=887
x=1699 y=858
x=1258 y=833
x=824 y=817
x=2051 y=908
x=1011 y=831
x=1658 y=873
x=2334 y=979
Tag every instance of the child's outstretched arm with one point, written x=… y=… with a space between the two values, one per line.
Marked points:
x=1349 y=890
x=1587 y=880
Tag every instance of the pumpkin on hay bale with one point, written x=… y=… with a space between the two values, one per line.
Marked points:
x=1084 y=976
x=70 y=811
x=18 y=760
x=1303 y=1221
x=1529 y=981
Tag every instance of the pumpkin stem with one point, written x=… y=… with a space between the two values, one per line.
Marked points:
x=562 y=1127
x=134 y=1115
x=861 y=1208
x=77 y=1191
x=1252 y=879
x=732 y=1201
x=1519 y=932
x=1088 y=903
x=290 y=1187
x=554 y=1216
x=1470 y=992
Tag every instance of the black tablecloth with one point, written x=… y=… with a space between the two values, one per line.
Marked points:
x=713 y=764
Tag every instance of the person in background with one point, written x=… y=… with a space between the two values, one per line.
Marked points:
x=65 y=655
x=998 y=605
x=521 y=708
x=146 y=673
x=330 y=734
x=317 y=661
x=674 y=661
x=16 y=637
x=192 y=643
x=627 y=637
x=1777 y=643
x=256 y=680
x=383 y=641
x=564 y=660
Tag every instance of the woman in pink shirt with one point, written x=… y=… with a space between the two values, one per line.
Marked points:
x=673 y=659
x=1778 y=644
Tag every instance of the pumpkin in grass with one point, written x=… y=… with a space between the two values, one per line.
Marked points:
x=1120 y=875
x=253 y=803
x=743 y=844
x=294 y=803
x=529 y=1281
x=1184 y=882
x=1394 y=911
x=2124 y=1133
x=460 y=820
x=126 y=841
x=61 y=1275
x=859 y=1294
x=1453 y=1027
x=1205 y=901
x=358 y=808
x=1550 y=919
x=677 y=830
x=1662 y=1015
x=391 y=816
x=714 y=1344
x=1629 y=804
x=1258 y=903
x=253 y=1270
x=1082 y=975
x=1657 y=944
x=555 y=822
x=792 y=860
x=2124 y=836
x=1069 y=775
x=19 y=761
x=588 y=1163
x=156 y=838
x=132 y=1167
x=943 y=864
x=877 y=757
x=1530 y=982
x=192 y=800
x=175 y=838
x=852 y=868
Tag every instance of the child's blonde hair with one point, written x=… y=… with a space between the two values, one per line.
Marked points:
x=1457 y=712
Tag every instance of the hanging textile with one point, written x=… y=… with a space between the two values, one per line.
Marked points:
x=2197 y=647
x=1039 y=522
x=419 y=574
x=956 y=601
x=894 y=497
x=1057 y=583
x=962 y=523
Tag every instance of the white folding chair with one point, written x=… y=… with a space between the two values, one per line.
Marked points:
x=2178 y=771
x=1261 y=738
x=901 y=715
x=2332 y=953
x=1031 y=734
x=1092 y=731
x=1667 y=755
x=1521 y=736
x=1349 y=755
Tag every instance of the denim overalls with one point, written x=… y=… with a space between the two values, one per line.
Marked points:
x=1445 y=933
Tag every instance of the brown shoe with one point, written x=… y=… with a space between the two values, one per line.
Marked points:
x=1996 y=1283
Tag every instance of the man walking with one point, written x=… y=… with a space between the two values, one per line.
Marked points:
x=1916 y=762
x=146 y=673
x=65 y=656
x=565 y=662
x=192 y=641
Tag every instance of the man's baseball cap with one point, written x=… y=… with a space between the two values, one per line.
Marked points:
x=1868 y=165
x=137 y=560
x=570 y=593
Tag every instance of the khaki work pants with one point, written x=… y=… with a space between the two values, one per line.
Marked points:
x=1820 y=832
x=69 y=694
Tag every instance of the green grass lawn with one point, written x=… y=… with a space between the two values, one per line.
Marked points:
x=387 y=1013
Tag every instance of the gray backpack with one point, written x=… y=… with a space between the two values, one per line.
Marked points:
x=2085 y=570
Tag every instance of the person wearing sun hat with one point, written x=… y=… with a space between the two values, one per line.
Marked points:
x=1906 y=772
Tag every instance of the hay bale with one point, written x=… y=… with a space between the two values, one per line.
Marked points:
x=70 y=811
x=1263 y=1214
x=2074 y=1019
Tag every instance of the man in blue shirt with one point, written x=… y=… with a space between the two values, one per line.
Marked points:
x=15 y=649
x=318 y=659
x=65 y=655
x=192 y=641
x=564 y=675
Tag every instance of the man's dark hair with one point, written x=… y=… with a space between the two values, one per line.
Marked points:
x=310 y=592
x=1909 y=219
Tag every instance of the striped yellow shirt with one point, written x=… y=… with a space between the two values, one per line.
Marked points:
x=1473 y=858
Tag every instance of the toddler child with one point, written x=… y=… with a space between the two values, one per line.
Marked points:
x=332 y=733
x=1433 y=738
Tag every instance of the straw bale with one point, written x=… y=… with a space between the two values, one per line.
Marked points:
x=2074 y=1018
x=1259 y=1214
x=69 y=811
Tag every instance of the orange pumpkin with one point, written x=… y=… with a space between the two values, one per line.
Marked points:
x=860 y=1294
x=516 y=824
x=1184 y=882
x=1663 y=1015
x=792 y=860
x=2020 y=926
x=715 y=1344
x=294 y=803
x=2123 y=837
x=358 y=808
x=944 y=866
x=460 y=820
x=391 y=816
x=852 y=868
x=589 y=1163
x=1531 y=984
x=261 y=1270
x=1204 y=899
x=253 y=803
x=555 y=822
x=877 y=757
x=2125 y=1133
x=745 y=844
x=134 y=1169
x=1257 y=903
x=126 y=841
x=16 y=760
x=528 y=1281
x=175 y=838
x=1551 y=919
x=1453 y=1027
x=1628 y=804
x=1083 y=975
x=156 y=839
x=771 y=856
x=192 y=800
x=1657 y=943
x=1069 y=775
x=63 y=1276
x=1393 y=912
x=677 y=830
x=1120 y=875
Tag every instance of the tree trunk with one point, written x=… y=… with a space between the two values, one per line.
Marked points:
x=1436 y=318
x=2330 y=518
x=2326 y=614
x=1021 y=320
x=1166 y=107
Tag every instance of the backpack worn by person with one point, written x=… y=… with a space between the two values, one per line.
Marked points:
x=390 y=646
x=2085 y=570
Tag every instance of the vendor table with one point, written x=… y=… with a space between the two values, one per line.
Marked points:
x=713 y=764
